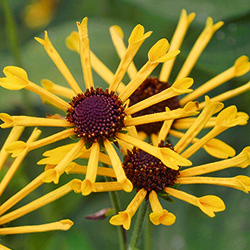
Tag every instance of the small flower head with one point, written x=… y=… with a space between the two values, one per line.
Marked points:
x=148 y=172
x=97 y=115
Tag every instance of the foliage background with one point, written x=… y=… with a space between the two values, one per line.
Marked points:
x=192 y=230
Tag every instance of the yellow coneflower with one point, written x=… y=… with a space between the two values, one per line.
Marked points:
x=97 y=117
x=156 y=85
x=150 y=176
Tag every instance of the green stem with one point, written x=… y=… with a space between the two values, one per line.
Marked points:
x=148 y=232
x=117 y=207
x=11 y=32
x=138 y=225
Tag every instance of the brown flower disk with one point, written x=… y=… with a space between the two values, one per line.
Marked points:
x=146 y=171
x=97 y=114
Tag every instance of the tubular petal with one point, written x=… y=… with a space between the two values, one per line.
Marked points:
x=179 y=87
x=85 y=52
x=17 y=162
x=159 y=215
x=55 y=57
x=34 y=205
x=28 y=121
x=117 y=166
x=198 y=47
x=54 y=174
x=189 y=110
x=57 y=89
x=234 y=182
x=12 y=137
x=175 y=44
x=107 y=186
x=166 y=155
x=87 y=184
x=59 y=225
x=242 y=160
x=16 y=78
x=14 y=199
x=124 y=218
x=117 y=38
x=210 y=109
x=208 y=204
x=229 y=94
x=240 y=67
x=162 y=217
x=136 y=39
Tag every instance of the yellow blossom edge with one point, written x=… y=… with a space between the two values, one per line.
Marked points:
x=208 y=204
x=238 y=182
x=159 y=215
x=124 y=218
x=241 y=160
x=63 y=225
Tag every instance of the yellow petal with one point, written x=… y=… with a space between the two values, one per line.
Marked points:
x=85 y=52
x=198 y=47
x=59 y=225
x=179 y=87
x=242 y=160
x=117 y=166
x=57 y=89
x=13 y=136
x=72 y=41
x=107 y=186
x=219 y=149
x=175 y=44
x=136 y=39
x=242 y=66
x=210 y=204
x=244 y=180
x=55 y=57
x=233 y=182
x=117 y=38
x=229 y=117
x=158 y=53
x=163 y=217
x=16 y=78
x=35 y=204
x=87 y=187
x=17 y=148
x=122 y=218
x=137 y=34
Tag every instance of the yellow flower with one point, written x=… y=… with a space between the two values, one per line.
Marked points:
x=95 y=116
x=150 y=175
x=158 y=86
x=40 y=12
x=59 y=225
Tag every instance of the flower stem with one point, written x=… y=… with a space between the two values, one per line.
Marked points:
x=138 y=225
x=148 y=232
x=12 y=34
x=117 y=207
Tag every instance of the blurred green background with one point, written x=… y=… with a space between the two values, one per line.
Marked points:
x=193 y=230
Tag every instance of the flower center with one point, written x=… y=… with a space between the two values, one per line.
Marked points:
x=152 y=86
x=146 y=171
x=97 y=115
